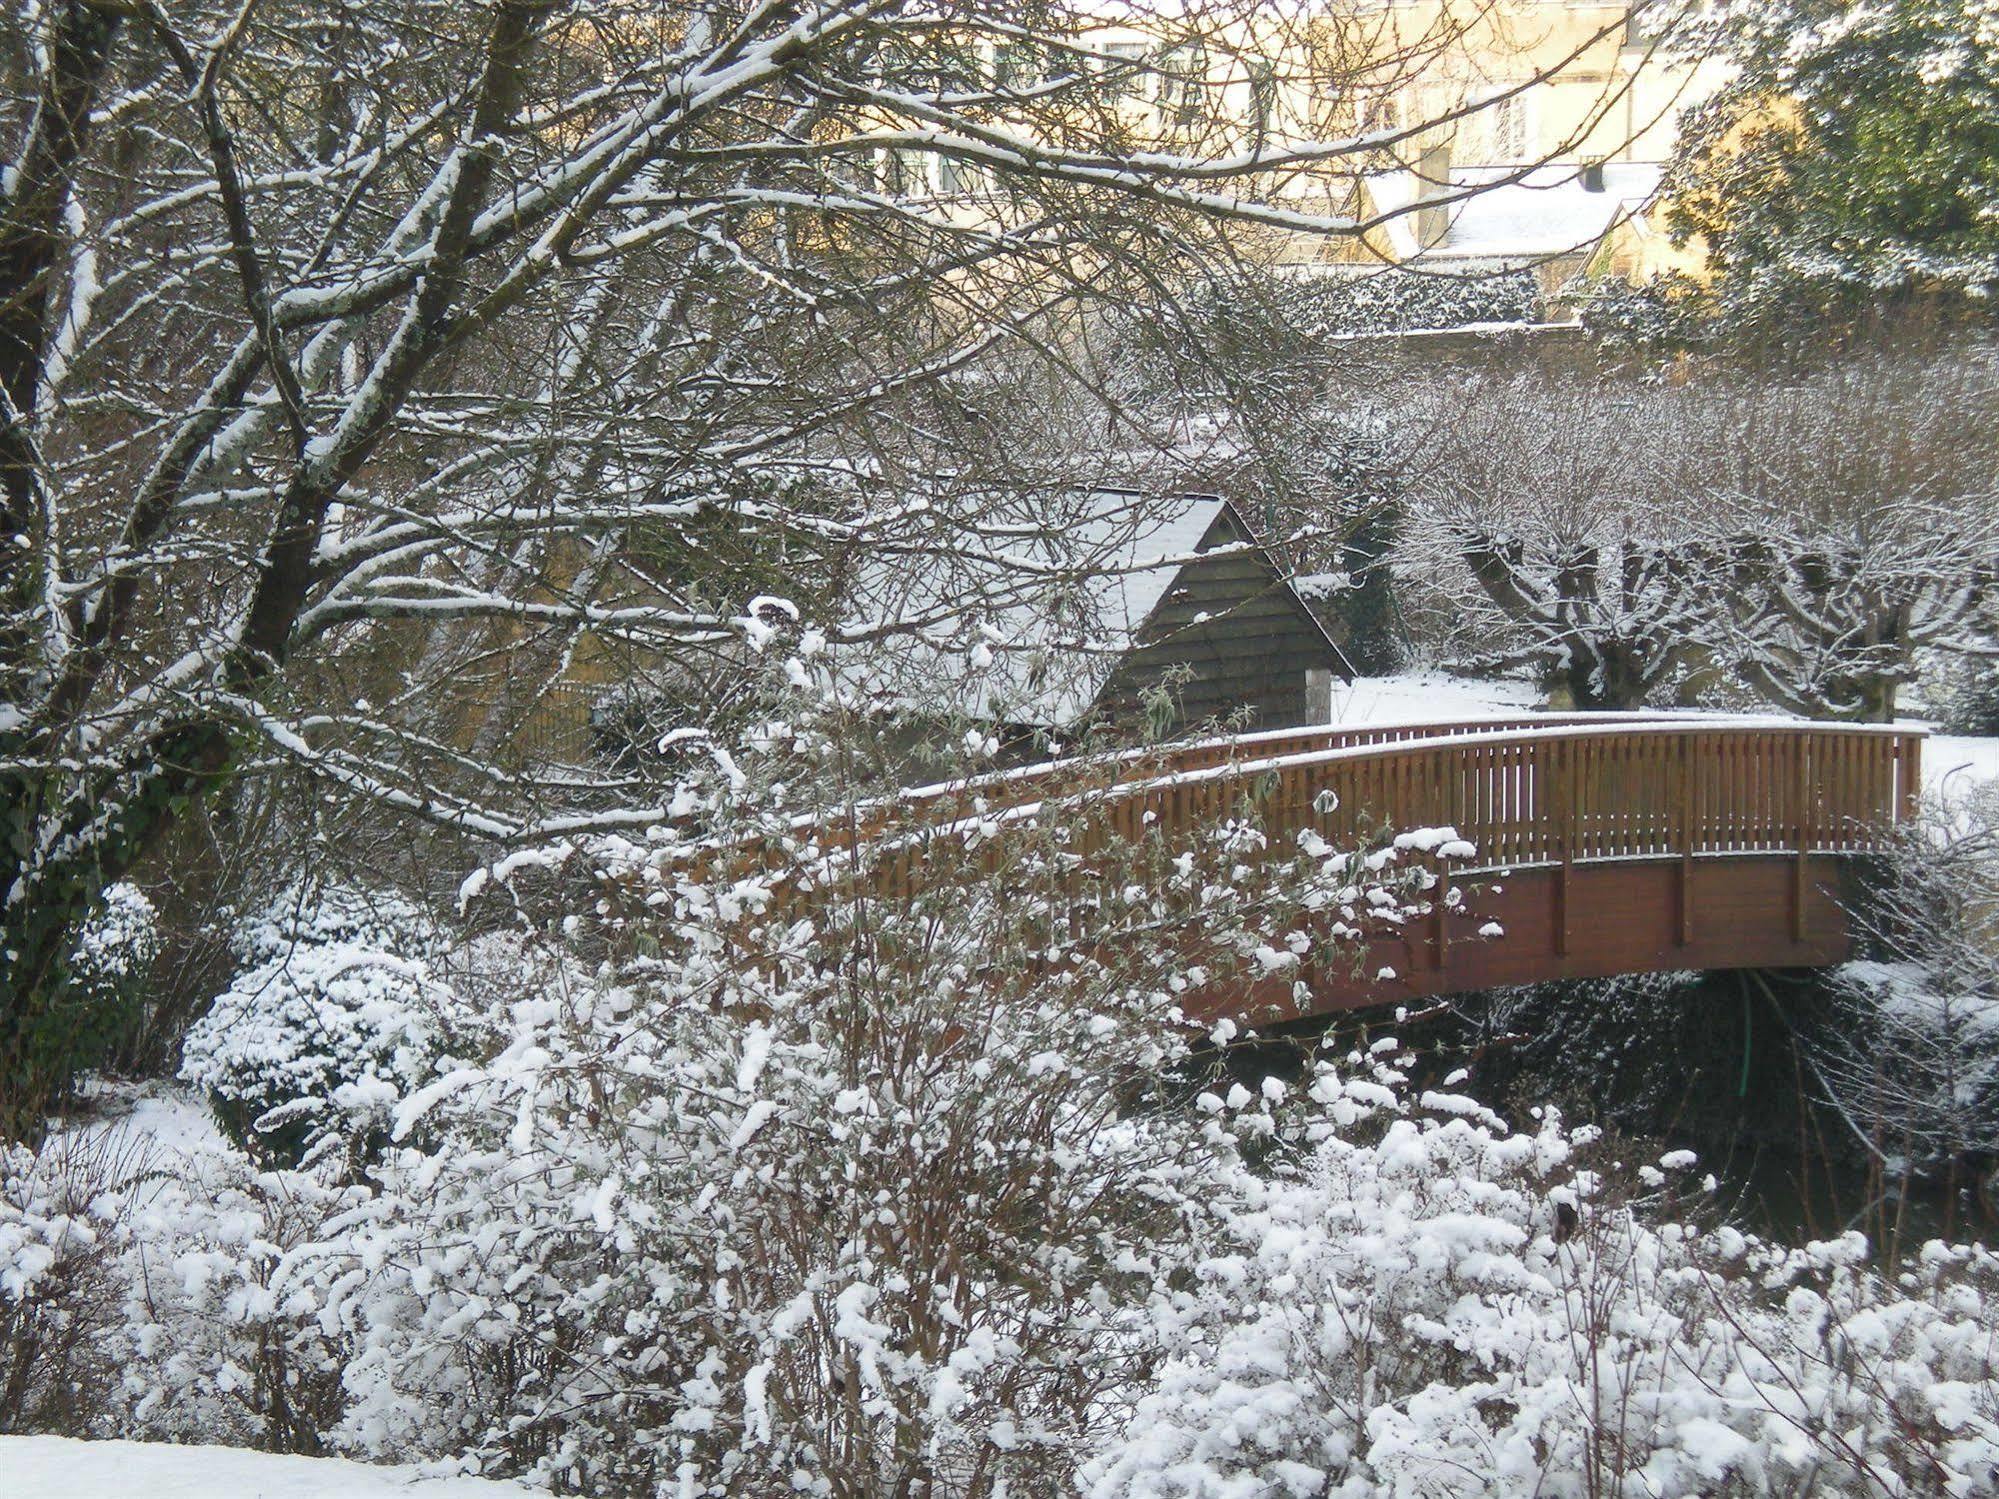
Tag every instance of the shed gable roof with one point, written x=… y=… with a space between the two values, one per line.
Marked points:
x=1028 y=621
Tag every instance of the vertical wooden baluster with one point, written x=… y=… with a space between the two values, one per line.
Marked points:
x=1682 y=748
x=1565 y=767
x=1592 y=840
x=1881 y=798
x=1801 y=875
x=1700 y=752
x=1843 y=789
x=1510 y=794
x=1576 y=762
x=1849 y=797
x=1732 y=792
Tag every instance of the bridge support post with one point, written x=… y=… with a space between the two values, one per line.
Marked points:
x=1565 y=832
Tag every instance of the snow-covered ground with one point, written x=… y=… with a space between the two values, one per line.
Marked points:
x=164 y=1115
x=1953 y=762
x=1412 y=696
x=59 y=1468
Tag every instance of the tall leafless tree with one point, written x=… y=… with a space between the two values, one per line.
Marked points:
x=354 y=356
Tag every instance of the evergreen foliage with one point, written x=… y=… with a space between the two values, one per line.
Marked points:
x=1852 y=161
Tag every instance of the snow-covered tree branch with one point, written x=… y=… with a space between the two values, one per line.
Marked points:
x=406 y=350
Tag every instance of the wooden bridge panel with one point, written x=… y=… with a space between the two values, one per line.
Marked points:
x=1625 y=920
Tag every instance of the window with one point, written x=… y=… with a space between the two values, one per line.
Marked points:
x=1182 y=76
x=1381 y=112
x=1125 y=73
x=1015 y=66
x=958 y=179
x=1508 y=123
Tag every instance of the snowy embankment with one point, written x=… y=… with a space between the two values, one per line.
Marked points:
x=1953 y=763
x=62 y=1468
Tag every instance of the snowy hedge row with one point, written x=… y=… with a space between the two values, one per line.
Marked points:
x=920 y=1198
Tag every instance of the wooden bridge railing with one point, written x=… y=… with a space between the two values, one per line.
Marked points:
x=1526 y=793
x=1570 y=792
x=1064 y=776
x=1624 y=828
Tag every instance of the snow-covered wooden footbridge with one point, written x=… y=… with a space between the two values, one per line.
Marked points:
x=1604 y=843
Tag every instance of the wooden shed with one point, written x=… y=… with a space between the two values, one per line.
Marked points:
x=1134 y=600
x=1232 y=628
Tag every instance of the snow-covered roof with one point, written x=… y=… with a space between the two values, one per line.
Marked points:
x=1024 y=620
x=1547 y=212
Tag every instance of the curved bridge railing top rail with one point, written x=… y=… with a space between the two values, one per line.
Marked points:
x=1569 y=792
x=1535 y=791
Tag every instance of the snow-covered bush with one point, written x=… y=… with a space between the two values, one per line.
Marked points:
x=105 y=998
x=315 y=914
x=864 y=1195
x=876 y=1173
x=1431 y=1304
x=335 y=1019
x=226 y=1334
x=1968 y=701
x=1909 y=1057
x=894 y=1201
x=119 y=943
x=60 y=1286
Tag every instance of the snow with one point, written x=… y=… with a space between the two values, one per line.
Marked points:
x=163 y=1125
x=1028 y=621
x=1413 y=696
x=1953 y=762
x=62 y=1468
x=1547 y=211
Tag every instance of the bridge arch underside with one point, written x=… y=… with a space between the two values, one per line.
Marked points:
x=1591 y=920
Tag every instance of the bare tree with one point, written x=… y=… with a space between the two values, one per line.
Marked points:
x=1809 y=531
x=360 y=365
x=1538 y=488
x=1856 y=510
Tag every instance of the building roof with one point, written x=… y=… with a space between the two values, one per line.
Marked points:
x=1546 y=212
x=1025 y=622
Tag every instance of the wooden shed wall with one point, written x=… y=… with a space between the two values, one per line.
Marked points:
x=1251 y=651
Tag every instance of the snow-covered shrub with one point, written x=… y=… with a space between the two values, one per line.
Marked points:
x=335 y=1019
x=1909 y=1058
x=316 y=914
x=119 y=944
x=227 y=1331
x=862 y=1195
x=893 y=1200
x=59 y=1287
x=105 y=997
x=1429 y=1303
x=1379 y=301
